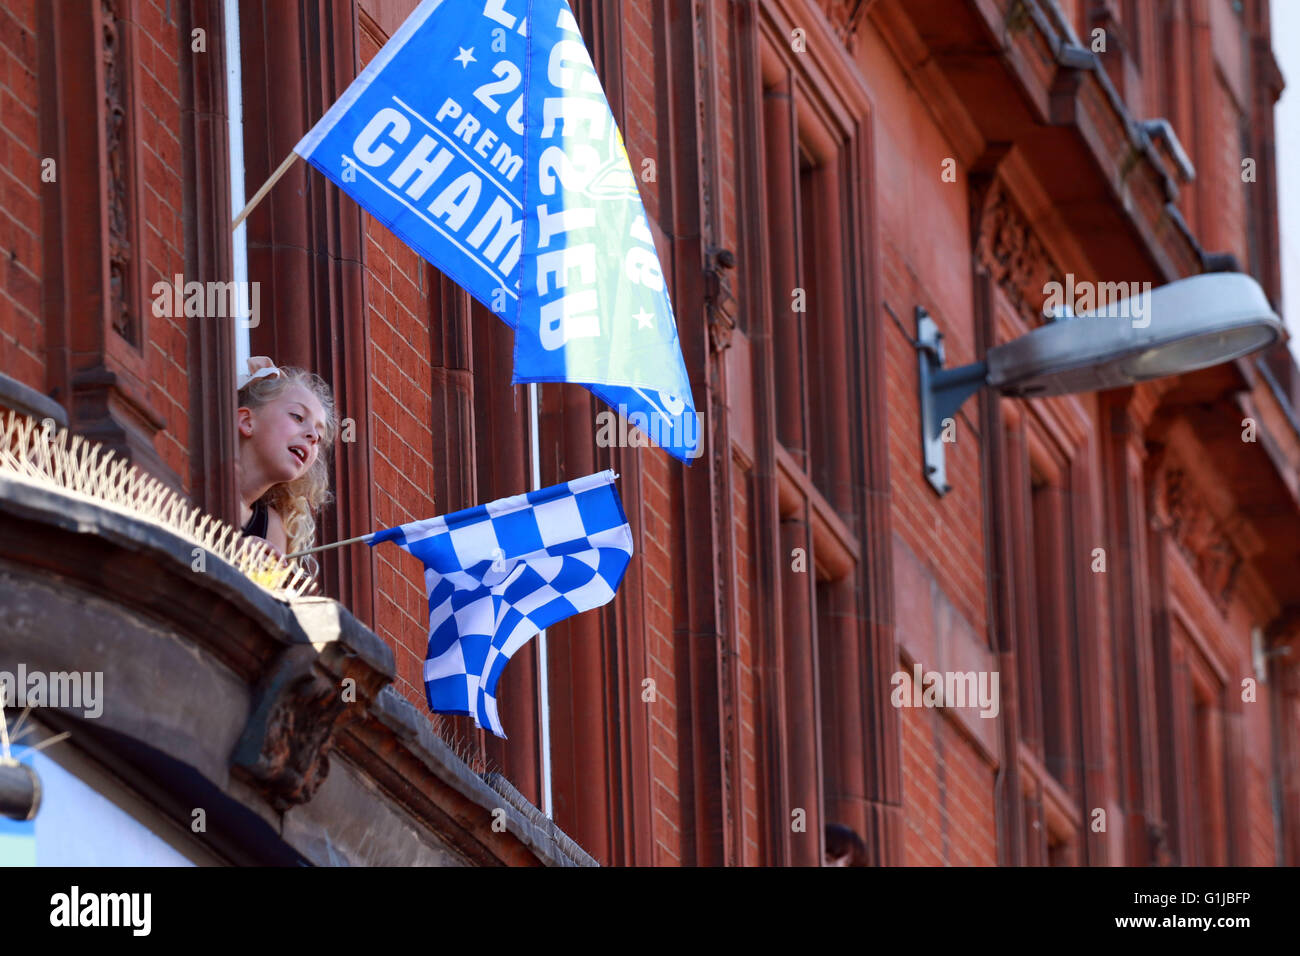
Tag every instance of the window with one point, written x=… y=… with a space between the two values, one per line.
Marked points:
x=1208 y=775
x=1052 y=637
x=1042 y=583
x=788 y=295
x=815 y=437
x=1199 y=755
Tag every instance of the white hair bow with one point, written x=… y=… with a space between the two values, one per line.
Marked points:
x=259 y=366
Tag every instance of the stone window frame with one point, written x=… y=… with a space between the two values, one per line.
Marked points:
x=847 y=542
x=1053 y=811
x=1193 y=655
x=1043 y=821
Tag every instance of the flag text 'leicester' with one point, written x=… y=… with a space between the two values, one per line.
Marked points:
x=481 y=136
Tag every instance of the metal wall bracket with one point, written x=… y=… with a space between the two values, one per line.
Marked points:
x=20 y=789
x=943 y=391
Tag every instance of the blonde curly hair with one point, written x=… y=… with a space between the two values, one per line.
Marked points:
x=298 y=501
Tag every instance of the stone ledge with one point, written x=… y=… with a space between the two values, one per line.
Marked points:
x=523 y=819
x=92 y=588
x=28 y=401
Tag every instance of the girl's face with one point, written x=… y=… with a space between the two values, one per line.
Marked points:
x=285 y=433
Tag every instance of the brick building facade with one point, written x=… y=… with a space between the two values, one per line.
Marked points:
x=817 y=171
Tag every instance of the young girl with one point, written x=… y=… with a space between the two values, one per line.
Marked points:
x=286 y=423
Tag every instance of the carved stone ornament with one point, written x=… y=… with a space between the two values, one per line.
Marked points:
x=115 y=108
x=718 y=298
x=846 y=16
x=1198 y=535
x=284 y=750
x=1014 y=257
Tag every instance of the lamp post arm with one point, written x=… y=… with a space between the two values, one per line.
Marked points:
x=942 y=392
x=950 y=387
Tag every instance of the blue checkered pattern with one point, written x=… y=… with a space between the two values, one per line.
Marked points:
x=499 y=573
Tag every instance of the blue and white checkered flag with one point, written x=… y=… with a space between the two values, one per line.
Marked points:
x=499 y=573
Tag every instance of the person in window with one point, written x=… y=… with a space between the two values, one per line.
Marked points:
x=286 y=425
x=844 y=847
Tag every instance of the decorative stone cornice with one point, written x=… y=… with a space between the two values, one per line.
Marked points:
x=284 y=749
x=277 y=718
x=1180 y=508
x=719 y=299
x=1119 y=203
x=1015 y=258
x=846 y=16
x=305 y=699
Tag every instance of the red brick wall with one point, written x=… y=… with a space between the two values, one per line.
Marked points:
x=640 y=133
x=923 y=231
x=403 y=442
x=947 y=795
x=156 y=40
x=1224 y=170
x=22 y=334
x=661 y=642
x=1259 y=787
x=405 y=449
x=160 y=239
x=726 y=126
x=945 y=532
x=927 y=267
x=396 y=296
x=924 y=253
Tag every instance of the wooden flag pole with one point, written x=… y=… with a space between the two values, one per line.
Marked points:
x=327 y=547
x=258 y=196
x=537 y=482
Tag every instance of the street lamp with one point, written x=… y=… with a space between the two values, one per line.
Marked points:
x=1186 y=325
